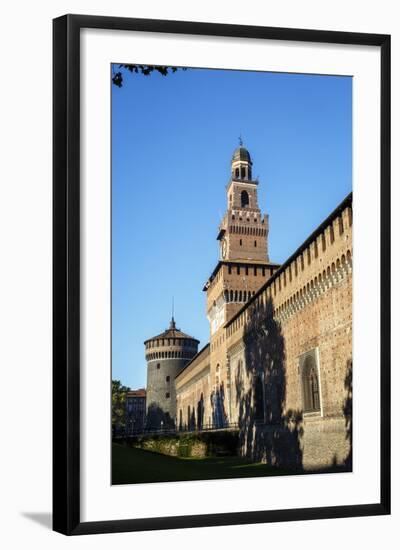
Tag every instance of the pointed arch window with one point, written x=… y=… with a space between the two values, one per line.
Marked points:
x=314 y=390
x=310 y=382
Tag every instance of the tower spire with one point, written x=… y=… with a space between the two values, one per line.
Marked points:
x=172 y=324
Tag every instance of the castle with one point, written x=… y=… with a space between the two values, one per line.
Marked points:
x=278 y=364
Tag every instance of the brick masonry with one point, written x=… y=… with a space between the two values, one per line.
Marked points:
x=280 y=354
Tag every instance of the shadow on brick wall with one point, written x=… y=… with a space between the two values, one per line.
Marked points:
x=157 y=418
x=267 y=433
x=347 y=412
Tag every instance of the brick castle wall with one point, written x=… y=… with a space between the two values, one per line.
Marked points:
x=304 y=309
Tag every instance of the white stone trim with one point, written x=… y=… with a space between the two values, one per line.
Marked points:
x=319 y=413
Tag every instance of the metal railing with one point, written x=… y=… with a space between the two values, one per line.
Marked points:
x=174 y=430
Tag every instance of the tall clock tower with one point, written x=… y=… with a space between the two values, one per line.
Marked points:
x=244 y=264
x=242 y=269
x=243 y=233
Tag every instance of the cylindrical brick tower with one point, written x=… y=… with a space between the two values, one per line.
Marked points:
x=166 y=355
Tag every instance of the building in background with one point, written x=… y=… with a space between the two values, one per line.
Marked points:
x=135 y=406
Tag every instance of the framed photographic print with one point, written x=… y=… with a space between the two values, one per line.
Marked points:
x=221 y=274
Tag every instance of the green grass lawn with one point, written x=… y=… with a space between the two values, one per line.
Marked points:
x=131 y=465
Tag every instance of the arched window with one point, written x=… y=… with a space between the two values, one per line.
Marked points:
x=237 y=173
x=310 y=384
x=243 y=172
x=244 y=198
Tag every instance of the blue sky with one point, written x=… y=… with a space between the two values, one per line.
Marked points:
x=172 y=142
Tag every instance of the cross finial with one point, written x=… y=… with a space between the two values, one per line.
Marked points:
x=240 y=140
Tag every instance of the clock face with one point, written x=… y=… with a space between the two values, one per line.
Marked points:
x=223 y=249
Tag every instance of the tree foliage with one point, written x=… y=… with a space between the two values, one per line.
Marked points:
x=146 y=70
x=118 y=400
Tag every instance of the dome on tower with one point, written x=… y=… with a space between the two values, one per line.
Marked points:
x=241 y=153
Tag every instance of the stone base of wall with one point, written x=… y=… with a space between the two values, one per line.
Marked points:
x=325 y=443
x=194 y=445
x=315 y=444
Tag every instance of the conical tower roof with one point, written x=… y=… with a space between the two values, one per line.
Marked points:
x=172 y=332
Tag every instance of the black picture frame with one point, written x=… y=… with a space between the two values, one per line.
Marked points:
x=66 y=273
